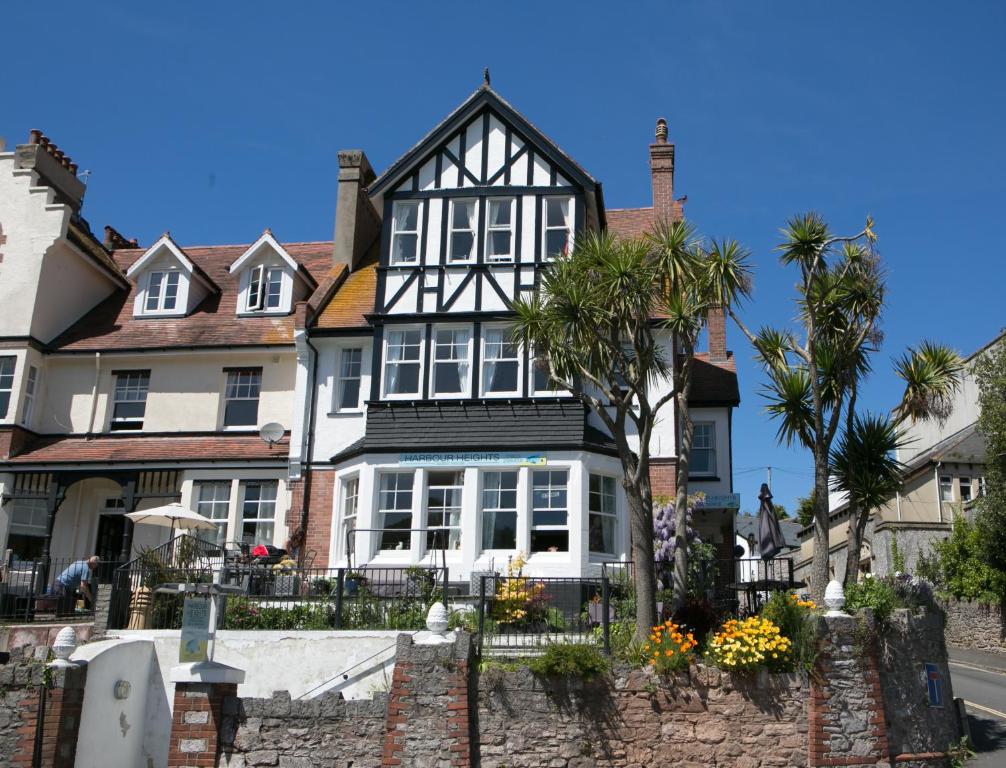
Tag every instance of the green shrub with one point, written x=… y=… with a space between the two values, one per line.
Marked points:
x=877 y=594
x=242 y=613
x=795 y=619
x=570 y=660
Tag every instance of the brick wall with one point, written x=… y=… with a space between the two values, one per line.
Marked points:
x=662 y=179
x=63 y=705
x=663 y=474
x=716 y=330
x=319 y=521
x=196 y=723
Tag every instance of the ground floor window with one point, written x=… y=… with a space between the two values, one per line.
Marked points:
x=395 y=509
x=549 y=511
x=258 y=511
x=213 y=500
x=602 y=522
x=350 y=504
x=499 y=510
x=26 y=535
x=443 y=509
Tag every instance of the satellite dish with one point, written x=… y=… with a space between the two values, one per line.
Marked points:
x=271 y=432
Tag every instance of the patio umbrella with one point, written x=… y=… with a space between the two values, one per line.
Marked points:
x=770 y=538
x=172 y=516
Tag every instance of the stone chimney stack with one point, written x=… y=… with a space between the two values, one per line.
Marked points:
x=357 y=224
x=662 y=172
x=54 y=167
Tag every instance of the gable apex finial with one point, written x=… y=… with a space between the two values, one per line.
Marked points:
x=485 y=77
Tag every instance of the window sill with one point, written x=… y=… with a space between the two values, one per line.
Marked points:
x=159 y=315
x=265 y=313
x=703 y=478
x=347 y=412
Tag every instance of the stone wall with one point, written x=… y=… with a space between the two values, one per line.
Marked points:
x=20 y=676
x=975 y=625
x=909 y=641
x=698 y=719
x=325 y=732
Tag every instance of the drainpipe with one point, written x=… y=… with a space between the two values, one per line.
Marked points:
x=309 y=454
x=897 y=497
x=939 y=501
x=94 y=392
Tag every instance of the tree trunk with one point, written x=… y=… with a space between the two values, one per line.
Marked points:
x=644 y=573
x=681 y=505
x=820 y=572
x=857 y=528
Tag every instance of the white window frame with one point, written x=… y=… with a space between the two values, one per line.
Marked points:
x=483 y=391
x=259 y=519
x=962 y=482
x=257 y=295
x=30 y=394
x=509 y=257
x=228 y=398
x=545 y=527
x=341 y=377
x=8 y=367
x=612 y=515
x=214 y=505
x=453 y=541
x=385 y=343
x=532 y=384
x=570 y=224
x=129 y=388
x=466 y=386
x=946 y=483
x=349 y=491
x=160 y=309
x=382 y=510
x=395 y=232
x=451 y=230
x=711 y=472
x=484 y=508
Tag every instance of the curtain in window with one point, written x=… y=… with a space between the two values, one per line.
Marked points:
x=395 y=351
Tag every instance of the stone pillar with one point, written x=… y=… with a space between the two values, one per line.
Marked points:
x=63 y=704
x=200 y=690
x=428 y=714
x=846 y=723
x=102 y=608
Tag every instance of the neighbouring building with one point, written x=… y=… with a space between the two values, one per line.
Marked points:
x=944 y=476
x=424 y=428
x=131 y=377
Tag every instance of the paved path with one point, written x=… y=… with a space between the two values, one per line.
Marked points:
x=980 y=679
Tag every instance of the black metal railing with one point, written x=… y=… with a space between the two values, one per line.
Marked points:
x=277 y=597
x=32 y=590
x=518 y=615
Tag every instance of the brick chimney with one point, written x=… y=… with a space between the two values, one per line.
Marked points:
x=716 y=329
x=662 y=172
x=357 y=224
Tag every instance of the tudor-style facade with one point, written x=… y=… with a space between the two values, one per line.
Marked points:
x=423 y=424
x=131 y=377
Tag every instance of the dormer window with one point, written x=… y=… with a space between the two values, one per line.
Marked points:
x=265 y=288
x=162 y=292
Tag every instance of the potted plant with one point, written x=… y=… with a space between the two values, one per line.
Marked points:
x=286 y=581
x=353 y=581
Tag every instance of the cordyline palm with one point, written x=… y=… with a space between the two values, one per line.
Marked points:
x=598 y=323
x=813 y=380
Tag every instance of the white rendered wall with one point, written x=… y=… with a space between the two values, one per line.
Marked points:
x=720 y=417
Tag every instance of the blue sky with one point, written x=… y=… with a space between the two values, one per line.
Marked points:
x=216 y=120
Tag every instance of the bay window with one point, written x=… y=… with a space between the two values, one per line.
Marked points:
x=30 y=392
x=499 y=510
x=394 y=510
x=402 y=355
x=602 y=520
x=213 y=501
x=258 y=511
x=350 y=505
x=549 y=511
x=28 y=527
x=450 y=361
x=7 y=364
x=443 y=509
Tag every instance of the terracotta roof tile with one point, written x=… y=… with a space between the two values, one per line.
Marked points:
x=111 y=324
x=714 y=383
x=353 y=299
x=59 y=449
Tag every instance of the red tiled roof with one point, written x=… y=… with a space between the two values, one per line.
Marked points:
x=60 y=449
x=352 y=300
x=214 y=322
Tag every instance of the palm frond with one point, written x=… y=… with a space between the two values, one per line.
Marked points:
x=932 y=374
x=790 y=402
x=863 y=462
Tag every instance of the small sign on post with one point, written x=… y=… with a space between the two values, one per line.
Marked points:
x=195 y=639
x=934 y=685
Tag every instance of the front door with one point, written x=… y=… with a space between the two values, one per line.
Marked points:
x=111 y=530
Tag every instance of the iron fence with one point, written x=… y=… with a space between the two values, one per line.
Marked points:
x=519 y=615
x=275 y=597
x=40 y=590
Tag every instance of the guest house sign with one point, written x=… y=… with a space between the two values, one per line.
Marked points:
x=472 y=459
